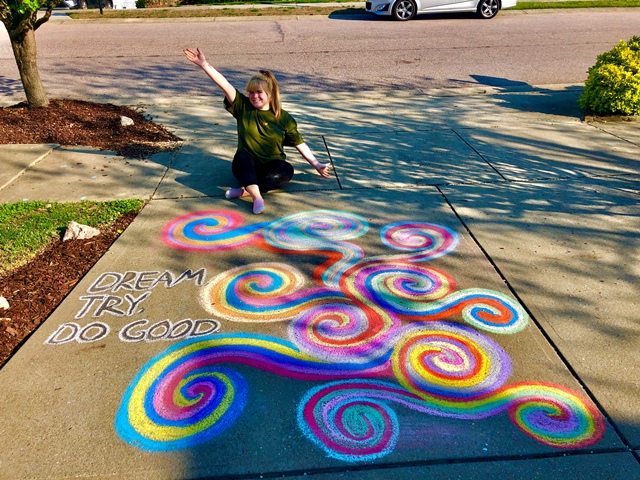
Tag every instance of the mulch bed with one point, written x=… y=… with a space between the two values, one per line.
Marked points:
x=36 y=289
x=76 y=122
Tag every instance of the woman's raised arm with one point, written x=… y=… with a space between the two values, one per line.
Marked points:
x=197 y=57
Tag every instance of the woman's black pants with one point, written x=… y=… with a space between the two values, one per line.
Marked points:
x=268 y=176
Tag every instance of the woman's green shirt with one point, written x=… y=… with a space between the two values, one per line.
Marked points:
x=259 y=133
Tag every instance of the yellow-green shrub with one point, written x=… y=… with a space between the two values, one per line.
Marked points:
x=613 y=84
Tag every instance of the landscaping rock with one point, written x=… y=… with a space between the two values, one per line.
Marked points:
x=76 y=231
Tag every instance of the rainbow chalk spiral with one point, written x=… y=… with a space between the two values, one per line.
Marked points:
x=554 y=415
x=484 y=309
x=448 y=360
x=344 y=332
x=321 y=231
x=184 y=397
x=396 y=287
x=210 y=230
x=263 y=292
x=352 y=420
x=425 y=241
x=190 y=402
x=415 y=292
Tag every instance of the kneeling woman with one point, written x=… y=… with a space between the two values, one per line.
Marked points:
x=264 y=129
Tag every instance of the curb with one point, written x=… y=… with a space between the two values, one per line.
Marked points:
x=612 y=119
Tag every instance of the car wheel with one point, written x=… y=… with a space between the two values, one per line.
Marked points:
x=488 y=8
x=404 y=10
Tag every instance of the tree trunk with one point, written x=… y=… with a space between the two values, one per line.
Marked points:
x=24 y=50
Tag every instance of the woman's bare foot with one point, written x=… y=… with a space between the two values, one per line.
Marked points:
x=258 y=201
x=258 y=206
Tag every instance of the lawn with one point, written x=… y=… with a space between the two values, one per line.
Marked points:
x=28 y=227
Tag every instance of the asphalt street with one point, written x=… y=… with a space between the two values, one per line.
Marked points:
x=319 y=54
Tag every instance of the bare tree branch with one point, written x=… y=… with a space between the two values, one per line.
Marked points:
x=50 y=6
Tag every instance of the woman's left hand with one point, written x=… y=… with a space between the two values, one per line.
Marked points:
x=323 y=169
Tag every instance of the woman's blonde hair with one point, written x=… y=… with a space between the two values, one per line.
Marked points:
x=267 y=81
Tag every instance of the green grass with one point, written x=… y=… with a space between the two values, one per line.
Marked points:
x=177 y=12
x=28 y=227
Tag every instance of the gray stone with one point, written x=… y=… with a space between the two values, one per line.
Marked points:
x=77 y=231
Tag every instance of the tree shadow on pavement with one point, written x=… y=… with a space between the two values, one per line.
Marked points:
x=173 y=77
x=10 y=87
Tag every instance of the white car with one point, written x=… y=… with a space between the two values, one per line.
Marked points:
x=407 y=9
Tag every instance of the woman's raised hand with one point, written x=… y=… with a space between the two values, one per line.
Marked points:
x=196 y=57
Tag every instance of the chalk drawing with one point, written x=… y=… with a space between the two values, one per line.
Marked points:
x=263 y=292
x=353 y=421
x=441 y=369
x=191 y=405
x=162 y=411
x=426 y=240
x=322 y=232
x=209 y=230
x=380 y=334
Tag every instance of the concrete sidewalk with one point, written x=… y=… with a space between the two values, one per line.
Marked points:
x=460 y=300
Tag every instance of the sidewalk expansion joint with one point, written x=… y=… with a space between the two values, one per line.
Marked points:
x=597 y=127
x=164 y=175
x=479 y=154
x=29 y=167
x=222 y=197
x=333 y=166
x=558 y=352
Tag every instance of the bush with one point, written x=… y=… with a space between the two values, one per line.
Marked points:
x=141 y=3
x=613 y=84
